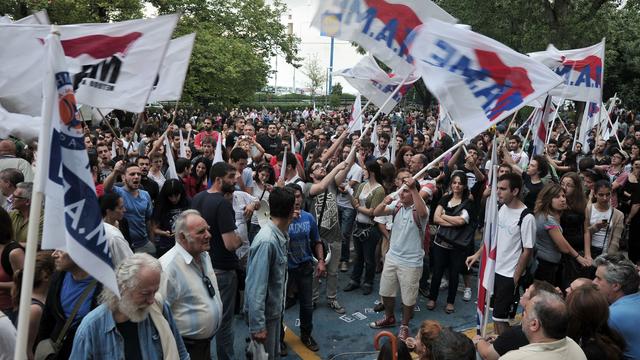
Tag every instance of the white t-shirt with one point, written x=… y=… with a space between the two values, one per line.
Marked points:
x=511 y=238
x=240 y=200
x=598 y=237
x=355 y=174
x=118 y=246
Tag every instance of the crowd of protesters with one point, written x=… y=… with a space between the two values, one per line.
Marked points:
x=264 y=204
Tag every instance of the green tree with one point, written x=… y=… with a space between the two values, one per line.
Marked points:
x=314 y=71
x=75 y=11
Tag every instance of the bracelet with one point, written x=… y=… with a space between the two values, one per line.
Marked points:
x=577 y=256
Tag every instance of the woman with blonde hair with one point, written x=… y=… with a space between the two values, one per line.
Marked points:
x=550 y=241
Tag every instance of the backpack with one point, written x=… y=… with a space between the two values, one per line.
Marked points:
x=426 y=235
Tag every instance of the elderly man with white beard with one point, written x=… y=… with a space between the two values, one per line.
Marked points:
x=139 y=325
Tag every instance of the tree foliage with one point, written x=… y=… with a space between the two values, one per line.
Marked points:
x=529 y=26
x=316 y=74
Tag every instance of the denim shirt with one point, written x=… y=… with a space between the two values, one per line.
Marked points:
x=266 y=277
x=98 y=338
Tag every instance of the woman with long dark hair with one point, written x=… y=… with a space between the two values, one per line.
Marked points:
x=550 y=242
x=456 y=219
x=366 y=235
x=171 y=201
x=572 y=223
x=198 y=180
x=588 y=324
x=404 y=157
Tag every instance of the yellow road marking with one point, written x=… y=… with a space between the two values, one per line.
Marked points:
x=295 y=344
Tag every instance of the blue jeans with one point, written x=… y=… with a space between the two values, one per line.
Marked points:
x=227 y=286
x=365 y=245
x=346 y=218
x=302 y=278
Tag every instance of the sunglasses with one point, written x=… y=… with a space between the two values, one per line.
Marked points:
x=209 y=286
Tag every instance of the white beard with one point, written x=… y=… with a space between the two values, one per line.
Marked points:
x=135 y=313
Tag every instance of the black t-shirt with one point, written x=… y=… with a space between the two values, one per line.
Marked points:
x=530 y=191
x=572 y=223
x=511 y=339
x=232 y=138
x=271 y=145
x=150 y=186
x=129 y=332
x=218 y=212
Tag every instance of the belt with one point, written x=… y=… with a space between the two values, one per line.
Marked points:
x=188 y=341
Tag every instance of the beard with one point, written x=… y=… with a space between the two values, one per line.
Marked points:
x=228 y=188
x=134 y=312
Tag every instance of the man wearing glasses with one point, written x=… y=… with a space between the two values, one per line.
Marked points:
x=190 y=287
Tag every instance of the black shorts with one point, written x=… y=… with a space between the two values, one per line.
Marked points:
x=504 y=294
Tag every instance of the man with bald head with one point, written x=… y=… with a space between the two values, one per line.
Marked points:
x=9 y=160
x=544 y=322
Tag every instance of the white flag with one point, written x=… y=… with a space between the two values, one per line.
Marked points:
x=40 y=17
x=183 y=146
x=217 y=156
x=581 y=69
x=73 y=220
x=383 y=27
x=171 y=170
x=479 y=80
x=355 y=122
x=590 y=117
x=111 y=65
x=23 y=126
x=174 y=70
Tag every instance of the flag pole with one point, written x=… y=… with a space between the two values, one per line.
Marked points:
x=429 y=166
x=366 y=127
x=33 y=229
x=136 y=128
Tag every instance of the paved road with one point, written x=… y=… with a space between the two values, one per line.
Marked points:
x=343 y=340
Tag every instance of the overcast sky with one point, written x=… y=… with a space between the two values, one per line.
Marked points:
x=344 y=55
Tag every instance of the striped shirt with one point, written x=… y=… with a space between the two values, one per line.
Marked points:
x=196 y=314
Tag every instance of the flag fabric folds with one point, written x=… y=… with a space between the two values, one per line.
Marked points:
x=111 y=65
x=540 y=126
x=375 y=84
x=355 y=121
x=479 y=80
x=73 y=220
x=173 y=70
x=582 y=71
x=383 y=27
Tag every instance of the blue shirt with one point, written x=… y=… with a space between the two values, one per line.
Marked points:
x=139 y=210
x=98 y=338
x=303 y=235
x=624 y=317
x=71 y=291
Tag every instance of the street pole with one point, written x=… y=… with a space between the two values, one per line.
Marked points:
x=330 y=65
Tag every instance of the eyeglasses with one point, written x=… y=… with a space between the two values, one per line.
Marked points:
x=209 y=286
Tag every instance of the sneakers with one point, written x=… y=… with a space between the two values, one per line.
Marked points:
x=467 y=294
x=335 y=306
x=344 y=266
x=385 y=322
x=309 y=342
x=403 y=334
x=379 y=307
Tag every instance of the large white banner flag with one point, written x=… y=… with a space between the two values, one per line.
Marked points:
x=478 y=80
x=174 y=70
x=72 y=220
x=383 y=27
x=581 y=69
x=111 y=65
x=23 y=126
x=40 y=17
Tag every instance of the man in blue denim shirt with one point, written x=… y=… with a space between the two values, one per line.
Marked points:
x=136 y=326
x=267 y=272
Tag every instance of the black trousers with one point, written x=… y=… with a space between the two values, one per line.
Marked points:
x=198 y=349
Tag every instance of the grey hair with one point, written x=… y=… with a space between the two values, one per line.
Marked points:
x=27 y=189
x=127 y=276
x=551 y=310
x=620 y=270
x=180 y=225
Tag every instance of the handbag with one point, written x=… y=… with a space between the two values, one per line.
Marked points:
x=47 y=349
x=457 y=235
